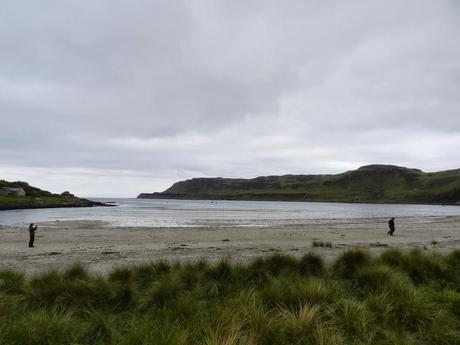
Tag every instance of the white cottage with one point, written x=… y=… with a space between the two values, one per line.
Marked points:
x=12 y=191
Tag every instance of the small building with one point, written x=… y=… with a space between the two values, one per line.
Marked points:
x=12 y=191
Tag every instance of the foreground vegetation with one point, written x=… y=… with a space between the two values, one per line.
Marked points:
x=395 y=298
x=372 y=183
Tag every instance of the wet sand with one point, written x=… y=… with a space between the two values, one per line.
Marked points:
x=101 y=247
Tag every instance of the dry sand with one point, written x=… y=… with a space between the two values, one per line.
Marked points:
x=101 y=247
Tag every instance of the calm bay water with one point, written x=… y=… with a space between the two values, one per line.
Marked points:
x=185 y=213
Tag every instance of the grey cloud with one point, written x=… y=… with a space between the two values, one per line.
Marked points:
x=162 y=90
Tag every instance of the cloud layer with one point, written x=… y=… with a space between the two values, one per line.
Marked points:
x=117 y=98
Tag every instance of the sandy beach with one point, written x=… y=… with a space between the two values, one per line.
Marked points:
x=100 y=246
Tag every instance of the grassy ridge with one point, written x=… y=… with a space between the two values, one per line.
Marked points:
x=38 y=198
x=31 y=191
x=396 y=298
x=373 y=183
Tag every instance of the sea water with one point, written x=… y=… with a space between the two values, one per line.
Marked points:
x=215 y=213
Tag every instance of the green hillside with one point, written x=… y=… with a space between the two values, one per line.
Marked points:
x=371 y=183
x=38 y=198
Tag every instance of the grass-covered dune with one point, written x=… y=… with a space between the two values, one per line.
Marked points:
x=39 y=198
x=372 y=183
x=395 y=298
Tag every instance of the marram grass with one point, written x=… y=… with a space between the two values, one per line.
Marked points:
x=395 y=298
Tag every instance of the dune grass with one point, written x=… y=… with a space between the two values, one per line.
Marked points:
x=395 y=298
x=322 y=244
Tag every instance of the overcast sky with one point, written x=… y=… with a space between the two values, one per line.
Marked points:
x=114 y=98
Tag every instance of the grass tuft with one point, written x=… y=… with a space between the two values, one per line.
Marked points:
x=322 y=244
x=76 y=272
x=347 y=264
x=311 y=264
x=11 y=282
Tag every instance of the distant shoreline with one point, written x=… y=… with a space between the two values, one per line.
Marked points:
x=147 y=196
x=32 y=207
x=79 y=203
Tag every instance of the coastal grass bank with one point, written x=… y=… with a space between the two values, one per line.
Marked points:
x=394 y=298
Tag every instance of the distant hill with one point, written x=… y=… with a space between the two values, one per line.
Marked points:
x=371 y=183
x=38 y=198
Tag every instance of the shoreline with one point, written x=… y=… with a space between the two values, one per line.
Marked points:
x=30 y=203
x=34 y=207
x=387 y=202
x=101 y=246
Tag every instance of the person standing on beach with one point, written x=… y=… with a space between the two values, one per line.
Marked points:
x=32 y=229
x=391 y=225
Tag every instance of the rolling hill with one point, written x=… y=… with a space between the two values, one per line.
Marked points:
x=371 y=183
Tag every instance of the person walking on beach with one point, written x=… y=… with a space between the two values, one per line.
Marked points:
x=391 y=225
x=32 y=229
